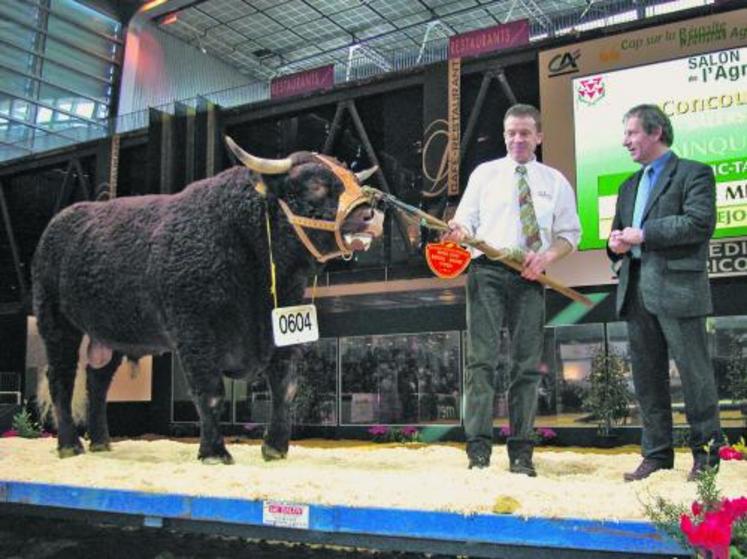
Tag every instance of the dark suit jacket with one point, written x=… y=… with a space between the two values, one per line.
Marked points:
x=678 y=221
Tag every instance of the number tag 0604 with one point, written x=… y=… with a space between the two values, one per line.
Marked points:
x=295 y=325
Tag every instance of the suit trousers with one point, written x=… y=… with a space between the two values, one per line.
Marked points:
x=497 y=295
x=653 y=339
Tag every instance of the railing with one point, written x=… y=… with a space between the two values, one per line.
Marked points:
x=10 y=388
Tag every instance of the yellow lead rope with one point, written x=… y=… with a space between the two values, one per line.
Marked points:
x=273 y=281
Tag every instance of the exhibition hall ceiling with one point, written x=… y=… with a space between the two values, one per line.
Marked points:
x=266 y=38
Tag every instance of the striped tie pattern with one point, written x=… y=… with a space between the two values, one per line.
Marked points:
x=529 y=225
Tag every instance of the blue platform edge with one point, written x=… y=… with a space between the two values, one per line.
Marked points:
x=567 y=533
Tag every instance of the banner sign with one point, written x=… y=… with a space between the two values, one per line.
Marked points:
x=727 y=258
x=455 y=129
x=694 y=70
x=435 y=129
x=490 y=39
x=303 y=82
x=446 y=260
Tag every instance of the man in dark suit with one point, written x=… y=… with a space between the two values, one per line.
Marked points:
x=664 y=218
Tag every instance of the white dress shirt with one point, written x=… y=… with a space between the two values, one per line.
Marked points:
x=489 y=208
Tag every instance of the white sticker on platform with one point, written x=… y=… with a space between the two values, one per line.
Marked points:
x=295 y=325
x=285 y=515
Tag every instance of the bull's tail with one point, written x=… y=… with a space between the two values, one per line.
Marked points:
x=79 y=403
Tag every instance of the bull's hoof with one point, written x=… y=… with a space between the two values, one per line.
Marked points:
x=70 y=451
x=217 y=459
x=100 y=447
x=269 y=453
x=213 y=460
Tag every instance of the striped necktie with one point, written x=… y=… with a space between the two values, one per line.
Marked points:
x=529 y=225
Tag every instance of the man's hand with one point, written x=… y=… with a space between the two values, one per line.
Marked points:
x=535 y=264
x=632 y=236
x=455 y=234
x=617 y=244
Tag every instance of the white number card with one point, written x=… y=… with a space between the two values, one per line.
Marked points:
x=295 y=325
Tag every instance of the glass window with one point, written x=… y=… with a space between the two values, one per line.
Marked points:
x=401 y=379
x=12 y=34
x=88 y=18
x=74 y=82
x=574 y=349
x=53 y=57
x=15 y=84
x=315 y=402
x=89 y=42
x=70 y=56
x=728 y=336
x=20 y=11
x=16 y=59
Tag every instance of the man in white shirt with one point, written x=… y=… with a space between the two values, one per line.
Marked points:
x=494 y=209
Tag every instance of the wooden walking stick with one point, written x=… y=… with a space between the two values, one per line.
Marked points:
x=504 y=256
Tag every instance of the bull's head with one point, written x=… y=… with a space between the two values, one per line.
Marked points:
x=329 y=199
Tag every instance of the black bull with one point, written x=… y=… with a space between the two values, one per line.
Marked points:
x=188 y=273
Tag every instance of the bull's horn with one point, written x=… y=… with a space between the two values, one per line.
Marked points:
x=363 y=175
x=258 y=164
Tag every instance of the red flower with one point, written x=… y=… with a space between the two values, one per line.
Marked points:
x=736 y=508
x=712 y=534
x=10 y=433
x=729 y=453
x=697 y=508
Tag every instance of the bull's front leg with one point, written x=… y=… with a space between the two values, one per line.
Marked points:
x=208 y=394
x=281 y=376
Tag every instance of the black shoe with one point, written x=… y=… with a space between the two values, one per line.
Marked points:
x=478 y=453
x=700 y=465
x=479 y=461
x=522 y=465
x=647 y=467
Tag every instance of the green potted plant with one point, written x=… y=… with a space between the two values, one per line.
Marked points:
x=608 y=397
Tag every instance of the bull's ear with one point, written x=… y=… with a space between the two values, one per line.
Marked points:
x=258 y=164
x=363 y=175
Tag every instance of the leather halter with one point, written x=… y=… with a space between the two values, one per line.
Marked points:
x=351 y=197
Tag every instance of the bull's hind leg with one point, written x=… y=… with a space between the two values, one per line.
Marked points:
x=97 y=385
x=281 y=376
x=62 y=353
x=208 y=394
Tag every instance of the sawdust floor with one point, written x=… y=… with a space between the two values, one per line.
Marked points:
x=572 y=483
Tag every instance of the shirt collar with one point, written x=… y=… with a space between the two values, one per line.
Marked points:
x=658 y=164
x=515 y=164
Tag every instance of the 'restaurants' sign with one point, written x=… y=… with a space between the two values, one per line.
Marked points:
x=490 y=39
x=303 y=82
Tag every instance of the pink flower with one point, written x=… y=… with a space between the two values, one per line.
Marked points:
x=409 y=431
x=729 y=453
x=546 y=433
x=10 y=433
x=378 y=430
x=505 y=431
